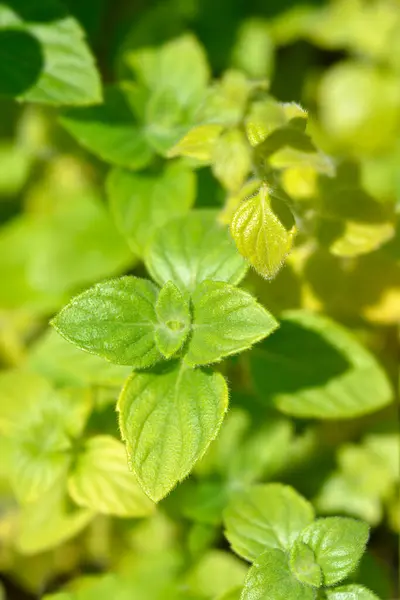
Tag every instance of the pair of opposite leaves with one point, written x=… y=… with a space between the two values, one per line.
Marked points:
x=293 y=554
x=170 y=413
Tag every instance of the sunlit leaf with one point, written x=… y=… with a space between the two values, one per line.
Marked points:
x=65 y=364
x=115 y=319
x=199 y=142
x=350 y=592
x=270 y=577
x=260 y=234
x=173 y=312
x=168 y=420
x=355 y=99
x=43 y=442
x=226 y=321
x=337 y=544
x=101 y=481
x=216 y=573
x=266 y=516
x=254 y=49
x=47 y=523
x=231 y=159
x=192 y=249
x=361 y=238
x=142 y=203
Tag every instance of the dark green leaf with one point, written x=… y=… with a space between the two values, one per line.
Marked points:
x=43 y=55
x=318 y=369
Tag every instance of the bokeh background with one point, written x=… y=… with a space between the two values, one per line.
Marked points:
x=341 y=61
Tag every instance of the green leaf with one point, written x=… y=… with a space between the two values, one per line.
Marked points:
x=338 y=544
x=43 y=442
x=350 y=592
x=260 y=234
x=142 y=203
x=233 y=594
x=216 y=572
x=263 y=452
x=175 y=75
x=361 y=238
x=316 y=368
x=168 y=420
x=76 y=247
x=226 y=100
x=266 y=516
x=290 y=146
x=173 y=312
x=100 y=480
x=374 y=103
x=49 y=522
x=194 y=248
x=198 y=143
x=166 y=121
x=203 y=501
x=115 y=319
x=76 y=244
x=41 y=458
x=44 y=56
x=270 y=578
x=18 y=391
x=263 y=117
x=65 y=364
x=304 y=566
x=179 y=66
x=221 y=452
x=341 y=495
x=386 y=447
x=112 y=130
x=263 y=447
x=231 y=159
x=367 y=473
x=254 y=49
x=15 y=166
x=226 y=320
x=95 y=587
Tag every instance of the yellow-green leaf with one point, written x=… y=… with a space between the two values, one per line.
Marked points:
x=361 y=238
x=260 y=234
x=231 y=159
x=198 y=143
x=102 y=482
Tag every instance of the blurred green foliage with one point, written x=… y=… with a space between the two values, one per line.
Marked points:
x=116 y=119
